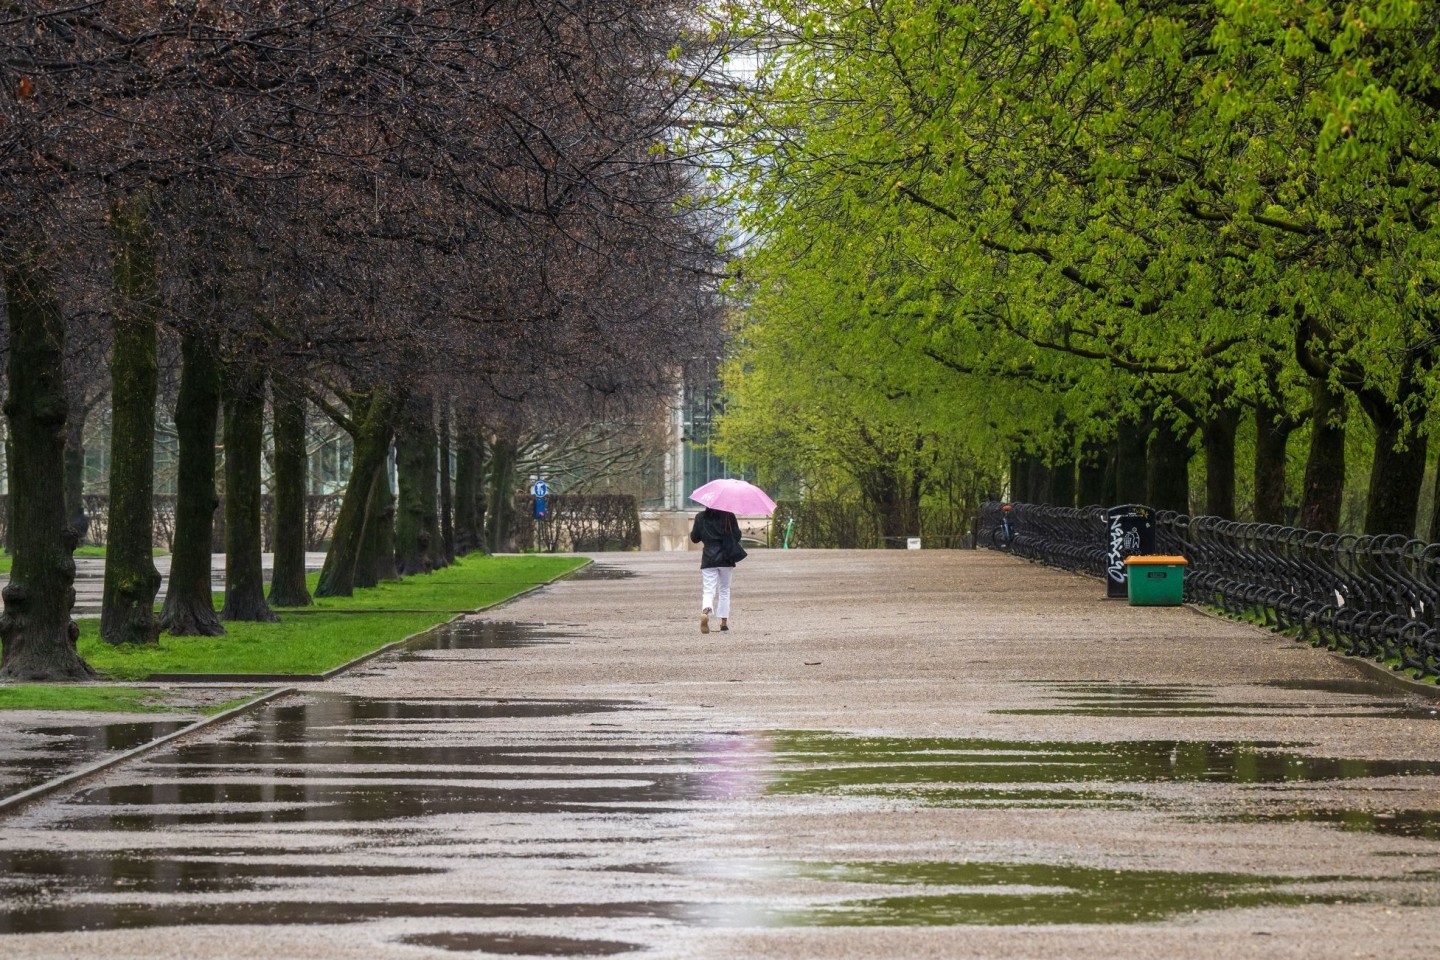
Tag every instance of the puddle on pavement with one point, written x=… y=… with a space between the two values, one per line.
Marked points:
x=887 y=765
x=485 y=635
x=46 y=916
x=1007 y=894
x=1410 y=824
x=326 y=762
x=600 y=571
x=31 y=755
x=1352 y=698
x=330 y=758
x=1353 y=686
x=521 y=945
x=28 y=871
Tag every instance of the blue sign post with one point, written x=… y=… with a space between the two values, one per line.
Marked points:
x=540 y=490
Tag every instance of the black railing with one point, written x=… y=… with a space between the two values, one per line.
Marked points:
x=321 y=512
x=1376 y=597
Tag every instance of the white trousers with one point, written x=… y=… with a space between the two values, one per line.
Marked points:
x=713 y=580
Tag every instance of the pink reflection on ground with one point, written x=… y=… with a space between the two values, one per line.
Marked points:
x=734 y=766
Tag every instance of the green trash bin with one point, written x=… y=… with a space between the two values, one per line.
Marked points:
x=1155 y=581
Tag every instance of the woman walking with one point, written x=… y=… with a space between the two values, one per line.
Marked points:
x=719 y=531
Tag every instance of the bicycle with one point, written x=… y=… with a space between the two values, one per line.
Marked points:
x=1003 y=536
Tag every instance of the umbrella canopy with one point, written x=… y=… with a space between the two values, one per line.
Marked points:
x=736 y=496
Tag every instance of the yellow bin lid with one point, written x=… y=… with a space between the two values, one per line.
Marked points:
x=1145 y=559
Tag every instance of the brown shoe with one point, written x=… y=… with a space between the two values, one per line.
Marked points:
x=704 y=623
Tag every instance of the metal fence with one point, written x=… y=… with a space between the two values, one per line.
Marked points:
x=321 y=511
x=1376 y=597
x=578 y=522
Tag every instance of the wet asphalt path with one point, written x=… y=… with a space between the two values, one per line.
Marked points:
x=892 y=754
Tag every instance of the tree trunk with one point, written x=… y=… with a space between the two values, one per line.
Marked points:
x=500 y=496
x=287 y=578
x=1396 y=476
x=414 y=461
x=1325 y=465
x=1435 y=509
x=1020 y=491
x=244 y=453
x=75 y=469
x=1219 y=436
x=1167 y=479
x=469 y=525
x=377 y=561
x=1094 y=459
x=189 y=609
x=373 y=421
x=37 y=633
x=1130 y=467
x=127 y=610
x=1038 y=484
x=10 y=500
x=1062 y=483
x=1272 y=434
x=430 y=496
x=482 y=496
x=447 y=501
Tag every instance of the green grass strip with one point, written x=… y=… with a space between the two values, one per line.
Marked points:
x=71 y=696
x=470 y=583
x=312 y=640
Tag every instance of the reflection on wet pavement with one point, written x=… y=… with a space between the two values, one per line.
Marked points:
x=896 y=764
x=1414 y=824
x=1345 y=698
x=1006 y=894
x=525 y=946
x=601 y=571
x=332 y=809
x=32 y=754
x=475 y=634
x=325 y=764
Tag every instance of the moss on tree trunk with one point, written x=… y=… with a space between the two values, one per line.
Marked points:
x=373 y=418
x=469 y=518
x=287 y=577
x=189 y=609
x=1038 y=483
x=36 y=630
x=1020 y=491
x=1167 y=478
x=1218 y=433
x=1094 y=458
x=1272 y=435
x=1325 y=463
x=430 y=498
x=415 y=465
x=377 y=561
x=447 y=502
x=244 y=398
x=1396 y=476
x=1131 y=442
x=127 y=610
x=500 y=497
x=1062 y=483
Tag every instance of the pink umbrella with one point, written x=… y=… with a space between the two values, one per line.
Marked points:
x=736 y=496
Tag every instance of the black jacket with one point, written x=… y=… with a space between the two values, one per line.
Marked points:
x=715 y=528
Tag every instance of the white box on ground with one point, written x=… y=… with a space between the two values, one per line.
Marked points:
x=912 y=543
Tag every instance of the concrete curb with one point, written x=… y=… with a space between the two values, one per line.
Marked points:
x=351 y=664
x=15 y=801
x=1394 y=677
